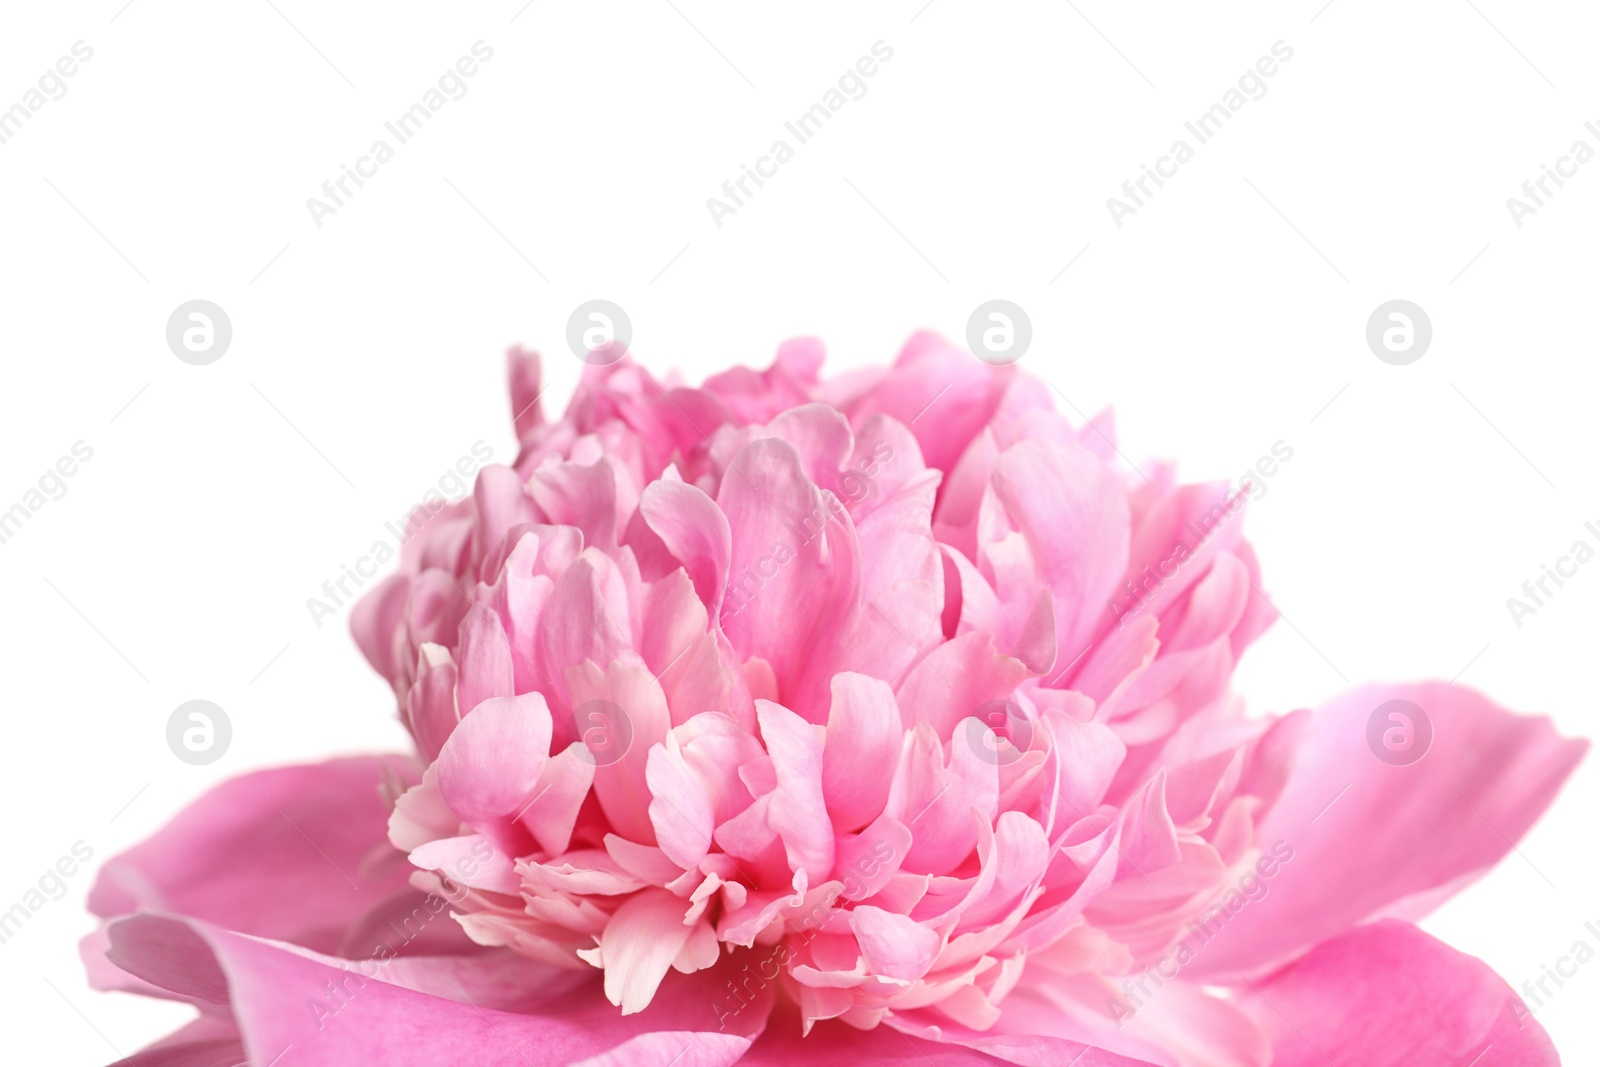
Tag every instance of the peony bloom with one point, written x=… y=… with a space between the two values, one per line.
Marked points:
x=867 y=720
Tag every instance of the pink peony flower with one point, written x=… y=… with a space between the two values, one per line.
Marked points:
x=874 y=720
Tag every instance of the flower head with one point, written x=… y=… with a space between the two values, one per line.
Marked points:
x=896 y=699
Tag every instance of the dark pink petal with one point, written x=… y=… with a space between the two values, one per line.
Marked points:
x=837 y=1044
x=206 y=1042
x=376 y=618
x=1388 y=995
x=276 y=853
x=495 y=1010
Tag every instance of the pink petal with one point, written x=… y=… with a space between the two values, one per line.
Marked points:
x=867 y=861
x=798 y=813
x=206 y=1042
x=431 y=703
x=695 y=531
x=1419 y=829
x=525 y=375
x=942 y=797
x=620 y=783
x=562 y=789
x=941 y=392
x=638 y=947
x=496 y=1010
x=502 y=504
x=786 y=589
x=375 y=619
x=837 y=1043
x=863 y=743
x=276 y=853
x=579 y=623
x=1388 y=995
x=680 y=810
x=1073 y=511
x=491 y=765
x=955 y=681
x=485 y=666
x=584 y=496
x=896 y=946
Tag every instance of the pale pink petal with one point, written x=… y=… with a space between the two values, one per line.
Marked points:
x=799 y=813
x=1073 y=511
x=680 y=810
x=485 y=668
x=639 y=946
x=431 y=704
x=491 y=765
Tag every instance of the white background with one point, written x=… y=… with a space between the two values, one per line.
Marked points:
x=1226 y=315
